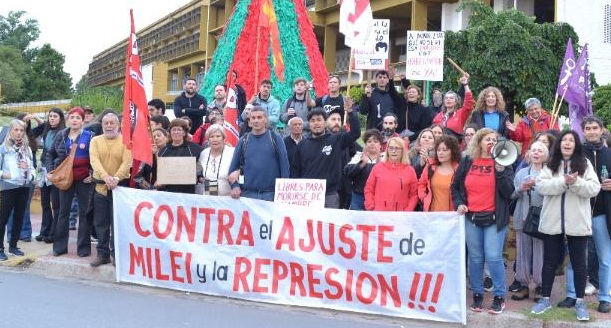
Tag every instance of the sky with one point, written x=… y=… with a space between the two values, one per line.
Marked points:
x=81 y=29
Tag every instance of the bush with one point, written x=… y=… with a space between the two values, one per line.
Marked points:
x=601 y=103
x=99 y=98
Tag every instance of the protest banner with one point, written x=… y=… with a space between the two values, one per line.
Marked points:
x=404 y=264
x=424 y=56
x=374 y=56
x=176 y=170
x=303 y=192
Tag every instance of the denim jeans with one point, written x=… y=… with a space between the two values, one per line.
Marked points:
x=600 y=234
x=357 y=203
x=255 y=194
x=26 y=226
x=484 y=244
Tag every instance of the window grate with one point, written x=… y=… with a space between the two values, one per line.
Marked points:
x=607 y=25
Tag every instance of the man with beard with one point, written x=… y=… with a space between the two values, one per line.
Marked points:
x=215 y=116
x=380 y=100
x=299 y=104
x=389 y=125
x=156 y=107
x=220 y=95
x=110 y=161
x=191 y=104
x=320 y=155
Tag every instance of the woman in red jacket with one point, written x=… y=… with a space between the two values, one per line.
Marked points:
x=392 y=184
x=451 y=116
x=436 y=179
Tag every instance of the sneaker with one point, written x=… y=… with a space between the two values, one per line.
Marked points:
x=100 y=261
x=478 y=303
x=3 y=256
x=520 y=294
x=541 y=306
x=590 y=289
x=568 y=302
x=603 y=307
x=515 y=286
x=488 y=284
x=581 y=311
x=15 y=251
x=538 y=294
x=498 y=305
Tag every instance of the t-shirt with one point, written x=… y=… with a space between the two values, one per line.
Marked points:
x=440 y=186
x=480 y=184
x=492 y=120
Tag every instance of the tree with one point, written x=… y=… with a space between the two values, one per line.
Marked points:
x=18 y=33
x=47 y=80
x=99 y=98
x=507 y=49
x=601 y=102
x=12 y=71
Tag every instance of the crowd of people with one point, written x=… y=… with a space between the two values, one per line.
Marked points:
x=412 y=158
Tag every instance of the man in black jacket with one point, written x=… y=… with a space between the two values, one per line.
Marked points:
x=380 y=100
x=191 y=104
x=320 y=155
x=600 y=156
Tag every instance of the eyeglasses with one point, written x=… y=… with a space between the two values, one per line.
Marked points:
x=394 y=148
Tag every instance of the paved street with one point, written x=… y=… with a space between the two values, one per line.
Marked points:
x=30 y=300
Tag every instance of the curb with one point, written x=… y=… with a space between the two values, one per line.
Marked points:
x=72 y=268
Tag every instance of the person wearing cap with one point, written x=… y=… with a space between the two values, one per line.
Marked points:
x=89 y=115
x=73 y=136
x=535 y=120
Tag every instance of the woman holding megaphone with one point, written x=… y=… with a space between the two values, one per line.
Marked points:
x=476 y=178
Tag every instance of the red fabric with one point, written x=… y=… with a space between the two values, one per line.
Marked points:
x=135 y=125
x=200 y=134
x=318 y=70
x=391 y=187
x=232 y=133
x=269 y=26
x=527 y=129
x=457 y=122
x=425 y=193
x=480 y=185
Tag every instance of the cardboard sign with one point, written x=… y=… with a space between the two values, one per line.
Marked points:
x=424 y=56
x=374 y=56
x=303 y=192
x=176 y=170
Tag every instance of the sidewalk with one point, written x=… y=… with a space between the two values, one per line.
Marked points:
x=39 y=260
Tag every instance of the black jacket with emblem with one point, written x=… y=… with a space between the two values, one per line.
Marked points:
x=322 y=157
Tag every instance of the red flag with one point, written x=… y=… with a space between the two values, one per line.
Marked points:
x=135 y=125
x=268 y=20
x=232 y=134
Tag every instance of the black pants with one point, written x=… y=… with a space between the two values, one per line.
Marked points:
x=592 y=263
x=62 y=233
x=49 y=201
x=102 y=219
x=13 y=200
x=552 y=251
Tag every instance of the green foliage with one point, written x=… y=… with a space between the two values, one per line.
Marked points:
x=99 y=98
x=356 y=94
x=601 y=103
x=12 y=71
x=47 y=79
x=18 y=33
x=507 y=49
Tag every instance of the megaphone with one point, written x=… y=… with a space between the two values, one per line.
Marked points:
x=505 y=152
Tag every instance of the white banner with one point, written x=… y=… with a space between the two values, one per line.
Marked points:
x=374 y=55
x=400 y=264
x=424 y=56
x=308 y=193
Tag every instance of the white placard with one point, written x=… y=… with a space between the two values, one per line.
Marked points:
x=404 y=264
x=302 y=192
x=374 y=56
x=424 y=56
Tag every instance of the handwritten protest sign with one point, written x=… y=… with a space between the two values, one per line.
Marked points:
x=424 y=56
x=176 y=170
x=404 y=264
x=374 y=55
x=303 y=192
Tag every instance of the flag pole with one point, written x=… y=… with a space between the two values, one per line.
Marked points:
x=555 y=102
x=555 y=115
x=348 y=82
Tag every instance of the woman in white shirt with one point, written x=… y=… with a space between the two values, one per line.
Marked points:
x=215 y=162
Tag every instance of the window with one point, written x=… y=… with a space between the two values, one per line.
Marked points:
x=607 y=25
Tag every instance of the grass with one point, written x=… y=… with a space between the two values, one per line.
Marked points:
x=559 y=314
x=4 y=120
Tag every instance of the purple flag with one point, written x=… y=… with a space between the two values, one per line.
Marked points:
x=568 y=67
x=578 y=94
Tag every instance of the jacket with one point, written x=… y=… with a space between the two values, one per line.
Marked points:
x=455 y=122
x=271 y=106
x=9 y=163
x=195 y=108
x=527 y=128
x=600 y=155
x=502 y=194
x=567 y=208
x=425 y=192
x=59 y=152
x=391 y=187
x=380 y=103
x=478 y=119
x=414 y=117
x=301 y=110
x=356 y=174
